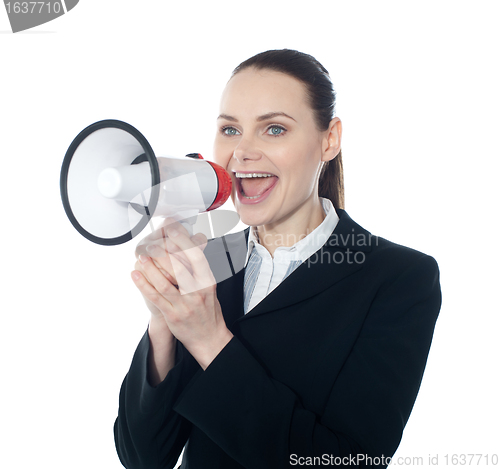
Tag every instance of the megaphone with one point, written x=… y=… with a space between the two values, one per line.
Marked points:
x=112 y=183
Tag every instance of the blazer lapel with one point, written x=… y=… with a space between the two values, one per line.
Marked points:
x=342 y=255
x=230 y=296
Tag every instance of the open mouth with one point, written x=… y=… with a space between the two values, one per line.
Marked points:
x=254 y=187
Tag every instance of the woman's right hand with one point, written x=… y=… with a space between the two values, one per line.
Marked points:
x=154 y=246
x=162 y=342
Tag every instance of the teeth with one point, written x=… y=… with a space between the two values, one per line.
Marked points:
x=253 y=175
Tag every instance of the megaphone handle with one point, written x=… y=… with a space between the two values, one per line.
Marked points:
x=188 y=224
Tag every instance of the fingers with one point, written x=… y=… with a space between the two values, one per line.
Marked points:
x=200 y=240
x=157 y=246
x=165 y=262
x=161 y=256
x=149 y=293
x=201 y=272
x=143 y=265
x=155 y=285
x=155 y=238
x=189 y=283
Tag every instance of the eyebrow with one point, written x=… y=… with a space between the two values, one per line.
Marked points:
x=264 y=117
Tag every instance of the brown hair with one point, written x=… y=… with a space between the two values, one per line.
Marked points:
x=321 y=94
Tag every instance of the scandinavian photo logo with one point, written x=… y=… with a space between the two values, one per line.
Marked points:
x=27 y=15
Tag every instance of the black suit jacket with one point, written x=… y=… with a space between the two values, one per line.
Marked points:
x=327 y=366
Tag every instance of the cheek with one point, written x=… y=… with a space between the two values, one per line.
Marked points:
x=220 y=154
x=302 y=174
x=302 y=162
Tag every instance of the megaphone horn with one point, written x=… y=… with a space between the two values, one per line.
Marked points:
x=112 y=183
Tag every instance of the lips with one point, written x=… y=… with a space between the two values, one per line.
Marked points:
x=254 y=187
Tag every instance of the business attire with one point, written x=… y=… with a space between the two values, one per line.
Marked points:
x=265 y=272
x=326 y=366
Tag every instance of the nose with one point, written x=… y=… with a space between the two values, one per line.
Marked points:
x=246 y=151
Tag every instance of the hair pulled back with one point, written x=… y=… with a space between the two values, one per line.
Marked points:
x=321 y=95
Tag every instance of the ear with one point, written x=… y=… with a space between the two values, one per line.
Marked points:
x=332 y=140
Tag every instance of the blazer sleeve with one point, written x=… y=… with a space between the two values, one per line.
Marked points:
x=148 y=433
x=261 y=423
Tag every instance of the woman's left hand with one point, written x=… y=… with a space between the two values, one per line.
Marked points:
x=191 y=309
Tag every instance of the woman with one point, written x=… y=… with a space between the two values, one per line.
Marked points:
x=312 y=353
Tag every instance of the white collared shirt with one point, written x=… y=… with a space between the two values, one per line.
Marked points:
x=263 y=273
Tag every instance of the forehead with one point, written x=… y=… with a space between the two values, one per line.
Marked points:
x=256 y=92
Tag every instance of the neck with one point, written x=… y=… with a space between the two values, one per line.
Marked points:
x=293 y=228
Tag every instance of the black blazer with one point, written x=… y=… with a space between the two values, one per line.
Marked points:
x=327 y=366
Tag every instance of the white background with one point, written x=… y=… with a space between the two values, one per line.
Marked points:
x=418 y=94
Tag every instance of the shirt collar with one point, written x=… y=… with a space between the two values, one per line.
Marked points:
x=307 y=246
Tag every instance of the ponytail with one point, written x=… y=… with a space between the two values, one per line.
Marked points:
x=331 y=182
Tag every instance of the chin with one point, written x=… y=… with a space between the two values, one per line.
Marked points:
x=252 y=217
x=251 y=220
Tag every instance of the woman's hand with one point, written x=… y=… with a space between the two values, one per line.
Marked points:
x=177 y=281
x=154 y=247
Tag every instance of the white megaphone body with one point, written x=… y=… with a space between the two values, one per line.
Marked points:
x=112 y=183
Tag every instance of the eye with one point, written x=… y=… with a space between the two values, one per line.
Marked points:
x=276 y=130
x=229 y=131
